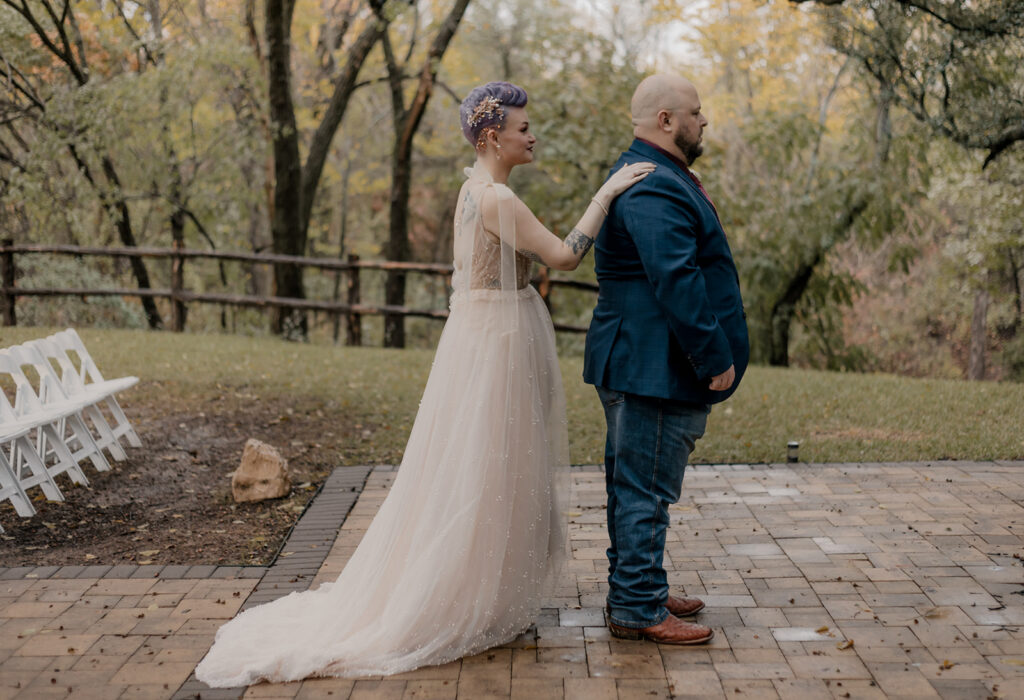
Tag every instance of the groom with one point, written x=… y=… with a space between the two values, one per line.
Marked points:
x=667 y=340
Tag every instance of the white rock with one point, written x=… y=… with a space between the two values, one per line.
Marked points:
x=262 y=474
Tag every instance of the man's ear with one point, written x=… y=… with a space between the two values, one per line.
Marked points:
x=665 y=120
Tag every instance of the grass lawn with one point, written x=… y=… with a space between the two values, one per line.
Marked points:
x=373 y=394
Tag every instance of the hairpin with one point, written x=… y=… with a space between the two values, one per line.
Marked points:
x=485 y=109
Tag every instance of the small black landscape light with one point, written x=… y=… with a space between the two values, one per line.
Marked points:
x=792 y=451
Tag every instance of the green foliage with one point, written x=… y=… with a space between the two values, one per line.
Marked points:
x=956 y=68
x=794 y=165
x=59 y=271
x=1013 y=358
x=177 y=131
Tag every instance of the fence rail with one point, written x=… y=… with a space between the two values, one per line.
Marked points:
x=352 y=308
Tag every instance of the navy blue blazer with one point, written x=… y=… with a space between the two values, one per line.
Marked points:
x=669 y=315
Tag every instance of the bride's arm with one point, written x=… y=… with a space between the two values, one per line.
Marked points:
x=535 y=241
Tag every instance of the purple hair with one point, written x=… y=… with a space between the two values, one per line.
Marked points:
x=505 y=94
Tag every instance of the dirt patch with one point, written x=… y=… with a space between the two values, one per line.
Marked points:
x=170 y=501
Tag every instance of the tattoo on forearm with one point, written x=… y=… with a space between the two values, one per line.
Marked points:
x=579 y=242
x=531 y=255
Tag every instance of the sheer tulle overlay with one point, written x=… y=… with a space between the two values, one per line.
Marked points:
x=457 y=558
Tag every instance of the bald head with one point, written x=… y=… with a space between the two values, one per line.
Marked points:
x=666 y=108
x=658 y=93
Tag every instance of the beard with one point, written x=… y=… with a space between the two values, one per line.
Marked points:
x=690 y=149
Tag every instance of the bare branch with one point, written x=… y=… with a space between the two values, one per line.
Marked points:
x=1006 y=139
x=135 y=35
x=65 y=55
x=394 y=80
x=18 y=83
x=415 y=32
x=956 y=15
x=451 y=93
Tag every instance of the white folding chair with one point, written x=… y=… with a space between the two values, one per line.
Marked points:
x=89 y=397
x=63 y=436
x=10 y=486
x=87 y=378
x=16 y=427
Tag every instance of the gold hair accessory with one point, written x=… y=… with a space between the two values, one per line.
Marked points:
x=484 y=110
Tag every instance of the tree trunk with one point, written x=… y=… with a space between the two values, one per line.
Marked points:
x=1018 y=290
x=407 y=122
x=287 y=233
x=398 y=247
x=118 y=210
x=179 y=310
x=343 y=88
x=342 y=216
x=784 y=309
x=295 y=185
x=979 y=336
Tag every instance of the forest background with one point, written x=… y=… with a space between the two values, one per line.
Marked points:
x=865 y=155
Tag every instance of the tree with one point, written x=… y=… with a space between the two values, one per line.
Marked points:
x=946 y=58
x=63 y=63
x=295 y=182
x=984 y=250
x=953 y=66
x=800 y=157
x=406 y=121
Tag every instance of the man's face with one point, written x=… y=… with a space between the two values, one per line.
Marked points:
x=689 y=126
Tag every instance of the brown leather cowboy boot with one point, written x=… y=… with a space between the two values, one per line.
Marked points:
x=680 y=607
x=671 y=630
x=684 y=607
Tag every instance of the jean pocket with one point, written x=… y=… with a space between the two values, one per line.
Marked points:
x=609 y=397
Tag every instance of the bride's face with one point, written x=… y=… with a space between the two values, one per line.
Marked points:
x=515 y=138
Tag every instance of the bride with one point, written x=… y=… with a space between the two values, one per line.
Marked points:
x=455 y=560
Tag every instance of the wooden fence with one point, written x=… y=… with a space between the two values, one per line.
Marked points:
x=352 y=309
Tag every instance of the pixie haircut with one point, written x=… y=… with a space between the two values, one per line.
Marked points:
x=484 y=107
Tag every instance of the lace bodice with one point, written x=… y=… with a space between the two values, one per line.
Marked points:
x=478 y=256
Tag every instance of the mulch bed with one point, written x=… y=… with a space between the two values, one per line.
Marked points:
x=170 y=501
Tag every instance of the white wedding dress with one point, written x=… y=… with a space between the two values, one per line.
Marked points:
x=455 y=561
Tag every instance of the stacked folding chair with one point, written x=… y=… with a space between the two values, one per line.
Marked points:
x=43 y=431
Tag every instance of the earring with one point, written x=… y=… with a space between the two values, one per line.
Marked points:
x=497 y=153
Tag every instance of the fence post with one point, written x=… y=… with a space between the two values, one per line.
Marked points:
x=355 y=325
x=178 y=308
x=7 y=283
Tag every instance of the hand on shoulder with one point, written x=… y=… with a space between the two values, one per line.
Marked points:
x=622 y=179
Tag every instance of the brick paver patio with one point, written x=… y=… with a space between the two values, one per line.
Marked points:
x=822 y=581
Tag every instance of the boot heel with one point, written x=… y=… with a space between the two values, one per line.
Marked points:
x=624 y=632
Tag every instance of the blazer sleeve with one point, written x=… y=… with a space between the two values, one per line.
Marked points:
x=664 y=224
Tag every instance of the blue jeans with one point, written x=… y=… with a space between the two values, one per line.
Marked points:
x=649 y=441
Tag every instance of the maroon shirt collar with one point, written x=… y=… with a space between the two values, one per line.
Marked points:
x=675 y=159
x=684 y=167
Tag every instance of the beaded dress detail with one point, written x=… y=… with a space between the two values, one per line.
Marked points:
x=463 y=548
